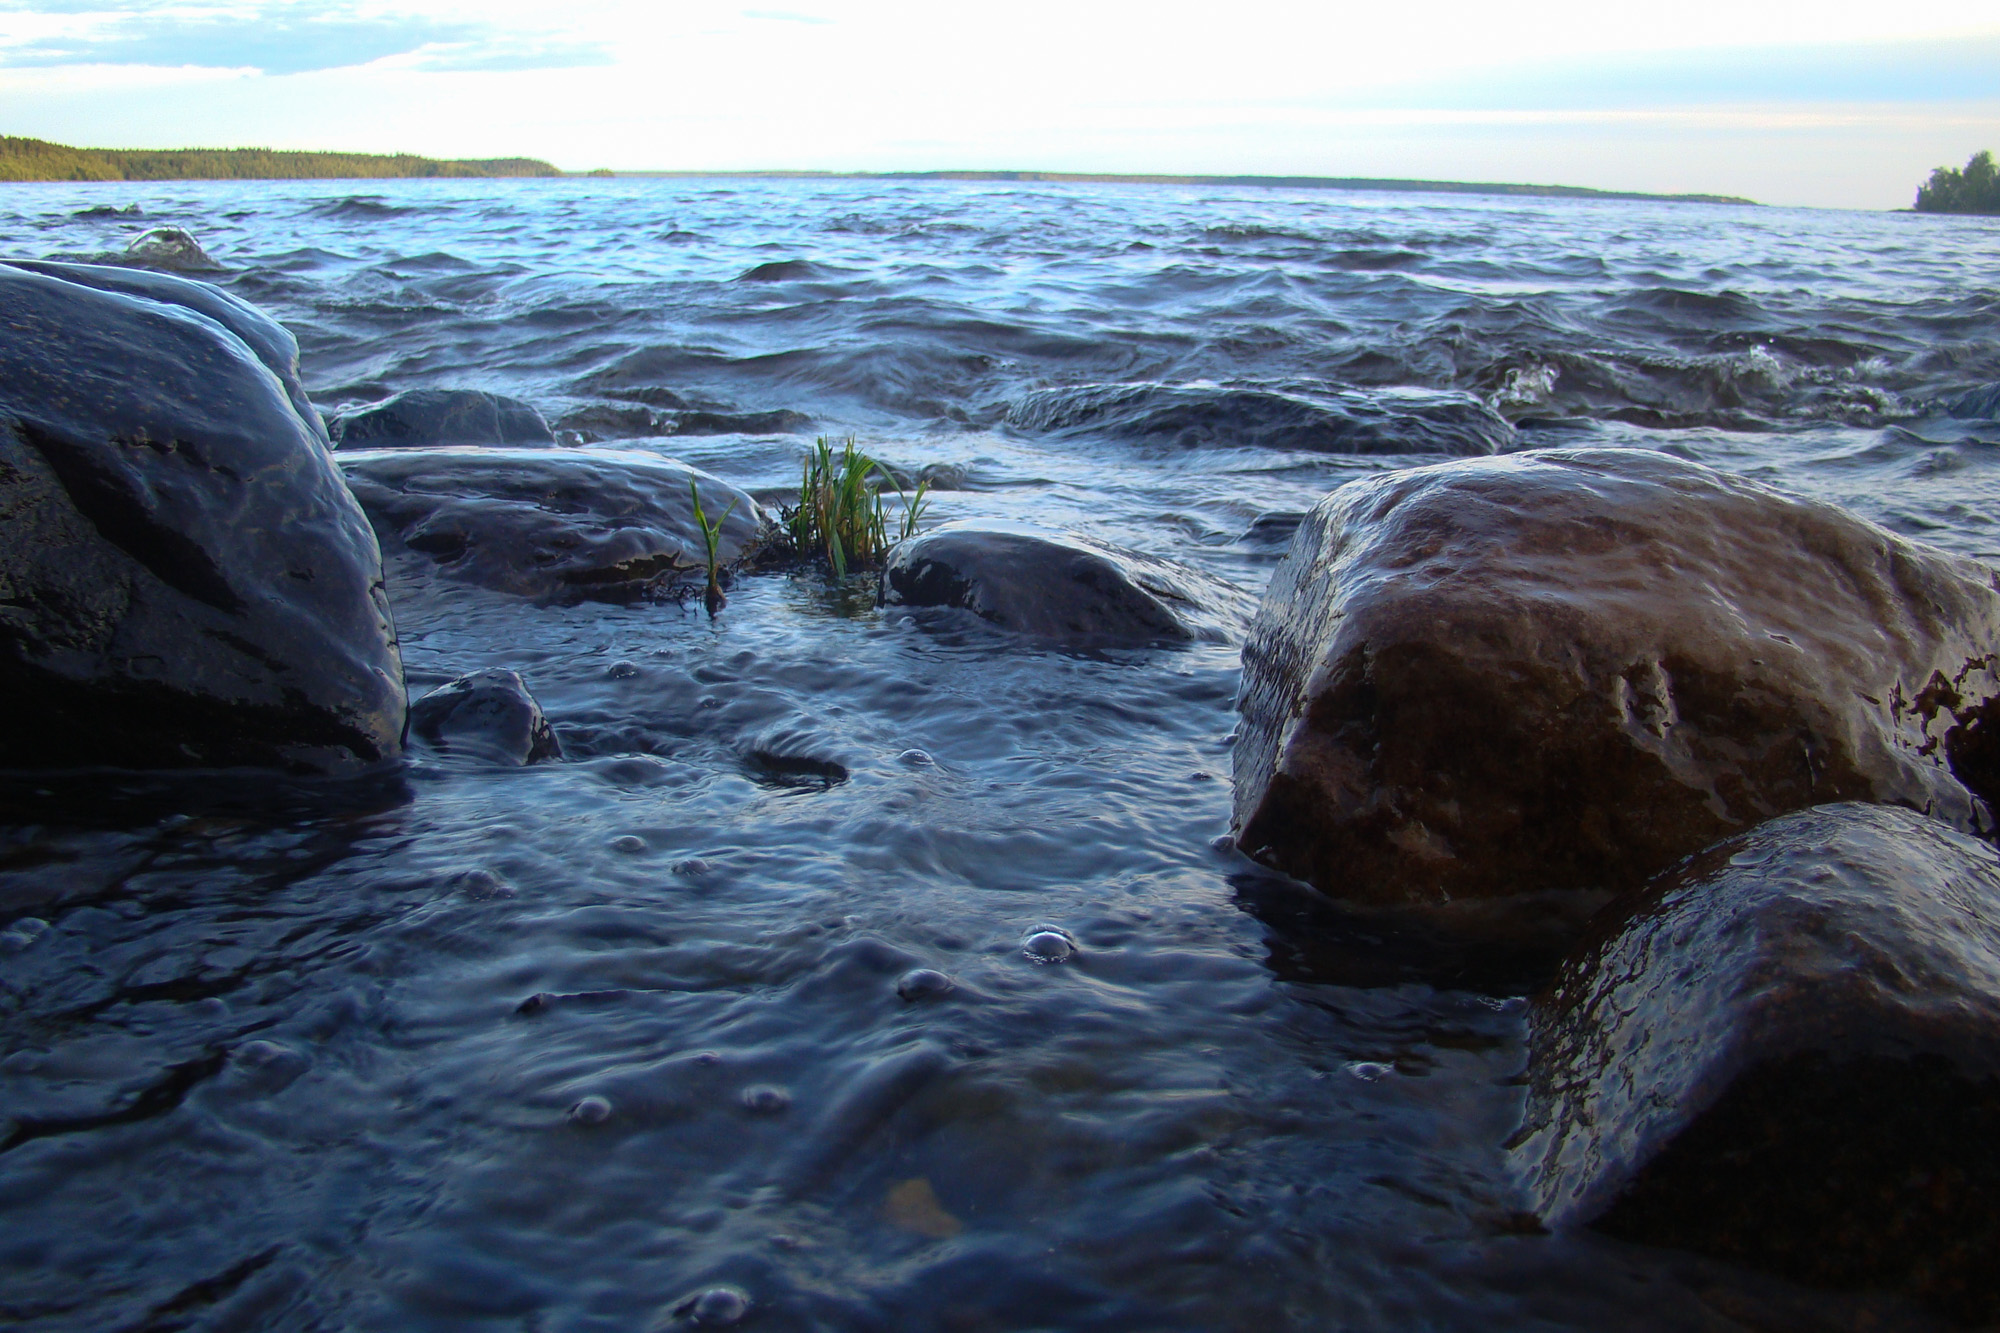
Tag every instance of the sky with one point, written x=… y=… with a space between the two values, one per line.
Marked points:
x=1827 y=103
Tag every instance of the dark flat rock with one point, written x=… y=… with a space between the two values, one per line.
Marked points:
x=1786 y=1053
x=187 y=581
x=1566 y=670
x=561 y=524
x=1059 y=586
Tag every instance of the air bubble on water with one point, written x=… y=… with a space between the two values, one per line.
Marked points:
x=923 y=983
x=592 y=1110
x=1048 y=944
x=1368 y=1071
x=716 y=1307
x=915 y=759
x=620 y=671
x=1222 y=842
x=690 y=867
x=628 y=843
x=765 y=1099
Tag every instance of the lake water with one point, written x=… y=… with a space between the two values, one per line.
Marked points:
x=264 y=1049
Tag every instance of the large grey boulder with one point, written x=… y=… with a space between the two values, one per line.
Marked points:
x=1786 y=1053
x=1565 y=670
x=1059 y=586
x=422 y=417
x=552 y=524
x=186 y=580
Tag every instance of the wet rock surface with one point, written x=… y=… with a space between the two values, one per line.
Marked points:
x=271 y=341
x=564 y=524
x=488 y=716
x=1058 y=586
x=186 y=580
x=1786 y=1053
x=419 y=417
x=1380 y=421
x=1566 y=670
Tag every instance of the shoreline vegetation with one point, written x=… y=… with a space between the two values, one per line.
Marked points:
x=39 y=160
x=1973 y=190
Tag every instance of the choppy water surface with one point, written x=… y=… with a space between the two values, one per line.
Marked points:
x=560 y=1048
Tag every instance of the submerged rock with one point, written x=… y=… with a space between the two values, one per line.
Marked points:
x=551 y=523
x=186 y=580
x=1058 y=586
x=1381 y=421
x=1566 y=670
x=419 y=417
x=1786 y=1053
x=489 y=716
x=599 y=421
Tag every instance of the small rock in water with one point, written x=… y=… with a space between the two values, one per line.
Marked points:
x=915 y=759
x=1048 y=944
x=488 y=716
x=924 y=983
x=535 y=1003
x=591 y=1110
x=171 y=248
x=620 y=671
x=628 y=843
x=267 y=1067
x=1370 y=1071
x=691 y=867
x=765 y=1099
x=715 y=1307
x=478 y=883
x=22 y=934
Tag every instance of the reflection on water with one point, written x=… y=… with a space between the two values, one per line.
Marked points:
x=873 y=969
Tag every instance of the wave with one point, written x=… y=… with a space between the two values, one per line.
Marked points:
x=1383 y=421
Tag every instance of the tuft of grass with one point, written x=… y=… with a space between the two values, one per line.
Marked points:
x=839 y=516
x=711 y=536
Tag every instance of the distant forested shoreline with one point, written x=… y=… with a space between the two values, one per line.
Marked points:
x=1973 y=190
x=39 y=160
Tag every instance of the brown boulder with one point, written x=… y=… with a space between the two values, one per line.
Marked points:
x=1786 y=1053
x=1565 y=670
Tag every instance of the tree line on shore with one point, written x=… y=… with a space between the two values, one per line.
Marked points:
x=1973 y=190
x=39 y=160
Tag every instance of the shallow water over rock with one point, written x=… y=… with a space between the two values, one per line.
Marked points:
x=654 y=1036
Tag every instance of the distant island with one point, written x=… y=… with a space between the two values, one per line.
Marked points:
x=1267 y=182
x=39 y=160
x=1973 y=190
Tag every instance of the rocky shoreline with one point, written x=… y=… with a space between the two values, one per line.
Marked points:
x=1738 y=746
